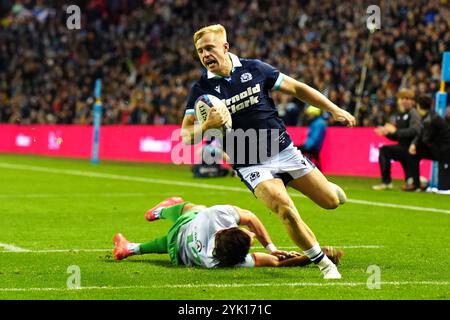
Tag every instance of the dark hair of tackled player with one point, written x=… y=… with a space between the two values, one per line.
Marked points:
x=232 y=246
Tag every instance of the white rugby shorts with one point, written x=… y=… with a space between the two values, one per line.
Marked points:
x=288 y=165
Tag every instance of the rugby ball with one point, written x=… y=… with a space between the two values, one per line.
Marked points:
x=203 y=105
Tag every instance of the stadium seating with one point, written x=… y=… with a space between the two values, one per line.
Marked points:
x=143 y=50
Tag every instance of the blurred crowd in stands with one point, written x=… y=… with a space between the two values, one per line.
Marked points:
x=143 y=51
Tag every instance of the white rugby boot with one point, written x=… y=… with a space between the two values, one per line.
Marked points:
x=331 y=272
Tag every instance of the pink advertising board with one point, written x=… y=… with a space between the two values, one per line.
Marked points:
x=346 y=151
x=354 y=151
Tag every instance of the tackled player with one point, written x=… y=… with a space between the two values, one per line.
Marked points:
x=210 y=237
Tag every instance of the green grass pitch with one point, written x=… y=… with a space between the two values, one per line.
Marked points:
x=48 y=207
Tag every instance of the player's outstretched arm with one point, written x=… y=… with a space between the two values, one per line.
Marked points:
x=294 y=259
x=311 y=96
x=268 y=260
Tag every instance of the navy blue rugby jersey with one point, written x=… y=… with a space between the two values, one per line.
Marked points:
x=246 y=93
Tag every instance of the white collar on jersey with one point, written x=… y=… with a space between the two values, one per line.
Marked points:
x=235 y=64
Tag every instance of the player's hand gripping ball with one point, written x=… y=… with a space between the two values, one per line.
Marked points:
x=222 y=118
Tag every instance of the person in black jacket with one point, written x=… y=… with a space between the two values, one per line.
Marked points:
x=406 y=128
x=432 y=142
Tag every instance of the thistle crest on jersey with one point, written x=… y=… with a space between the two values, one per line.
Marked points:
x=246 y=77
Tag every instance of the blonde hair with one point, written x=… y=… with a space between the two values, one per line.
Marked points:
x=215 y=28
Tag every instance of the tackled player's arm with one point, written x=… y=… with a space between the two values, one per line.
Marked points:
x=249 y=219
x=294 y=259
x=313 y=97
x=268 y=260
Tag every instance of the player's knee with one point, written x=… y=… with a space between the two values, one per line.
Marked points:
x=339 y=192
x=331 y=202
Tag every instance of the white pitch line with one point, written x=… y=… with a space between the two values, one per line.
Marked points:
x=92 y=174
x=192 y=184
x=11 y=248
x=63 y=195
x=55 y=250
x=384 y=204
x=238 y=285
x=390 y=205
x=69 y=250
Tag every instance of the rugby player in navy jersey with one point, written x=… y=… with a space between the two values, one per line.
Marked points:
x=244 y=85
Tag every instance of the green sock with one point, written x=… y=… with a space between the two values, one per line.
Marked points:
x=158 y=245
x=172 y=212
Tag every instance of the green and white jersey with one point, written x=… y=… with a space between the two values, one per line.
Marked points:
x=197 y=238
